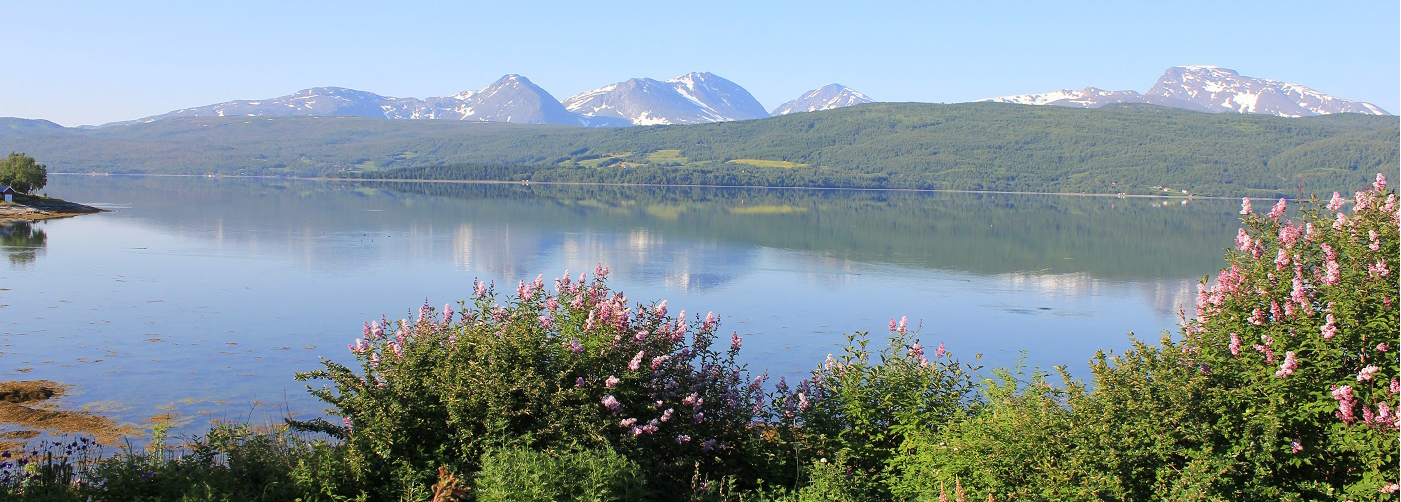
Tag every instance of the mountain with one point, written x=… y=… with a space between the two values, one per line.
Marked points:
x=1209 y=89
x=10 y=126
x=1127 y=147
x=693 y=98
x=1215 y=88
x=511 y=98
x=826 y=98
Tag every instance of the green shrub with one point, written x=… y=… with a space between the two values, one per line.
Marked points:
x=576 y=368
x=1283 y=386
x=519 y=475
x=850 y=419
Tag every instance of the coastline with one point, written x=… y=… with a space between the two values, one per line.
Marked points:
x=33 y=207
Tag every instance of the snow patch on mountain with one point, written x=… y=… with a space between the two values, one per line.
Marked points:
x=1211 y=89
x=827 y=97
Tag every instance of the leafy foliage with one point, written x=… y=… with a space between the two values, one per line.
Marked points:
x=575 y=369
x=968 y=146
x=23 y=173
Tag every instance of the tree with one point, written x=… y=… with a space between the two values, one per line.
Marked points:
x=23 y=173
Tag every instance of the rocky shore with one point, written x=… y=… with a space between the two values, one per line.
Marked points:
x=34 y=207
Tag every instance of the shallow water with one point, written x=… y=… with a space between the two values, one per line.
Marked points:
x=200 y=297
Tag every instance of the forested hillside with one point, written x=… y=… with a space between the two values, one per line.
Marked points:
x=969 y=146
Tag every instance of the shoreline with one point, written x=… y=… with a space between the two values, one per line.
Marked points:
x=32 y=207
x=581 y=183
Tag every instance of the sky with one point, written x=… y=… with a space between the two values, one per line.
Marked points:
x=92 y=62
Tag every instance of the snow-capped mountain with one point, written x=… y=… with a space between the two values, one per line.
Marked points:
x=1210 y=89
x=1220 y=89
x=692 y=98
x=511 y=98
x=826 y=98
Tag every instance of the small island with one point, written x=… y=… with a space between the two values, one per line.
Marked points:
x=20 y=176
x=38 y=207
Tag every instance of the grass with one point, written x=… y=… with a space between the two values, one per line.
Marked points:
x=765 y=163
x=667 y=156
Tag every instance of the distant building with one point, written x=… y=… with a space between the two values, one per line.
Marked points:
x=9 y=193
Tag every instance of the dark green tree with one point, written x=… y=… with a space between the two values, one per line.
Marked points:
x=23 y=173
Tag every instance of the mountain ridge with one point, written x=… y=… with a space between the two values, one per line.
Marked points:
x=1207 y=88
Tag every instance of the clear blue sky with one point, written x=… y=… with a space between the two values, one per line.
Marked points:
x=90 y=62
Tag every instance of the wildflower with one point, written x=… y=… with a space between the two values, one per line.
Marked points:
x=1329 y=329
x=1235 y=344
x=683 y=438
x=1343 y=395
x=1282 y=259
x=349 y=425
x=708 y=444
x=1296 y=446
x=1336 y=202
x=1257 y=317
x=803 y=403
x=916 y=350
x=1278 y=209
x=1341 y=222
x=612 y=403
x=1290 y=364
x=660 y=309
x=1366 y=373
x=735 y=342
x=1380 y=184
x=551 y=304
x=636 y=361
x=1289 y=234
x=579 y=382
x=1378 y=269
x=1395 y=387
x=1243 y=241
x=666 y=415
x=479 y=288
x=904 y=321
x=658 y=361
x=574 y=346
x=939 y=352
x=1245 y=206
x=611 y=382
x=627 y=422
x=447 y=314
x=1381 y=347
x=1390 y=487
x=1332 y=272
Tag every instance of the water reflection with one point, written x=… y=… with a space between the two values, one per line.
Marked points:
x=23 y=241
x=217 y=290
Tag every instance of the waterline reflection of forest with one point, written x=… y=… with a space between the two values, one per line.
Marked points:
x=197 y=297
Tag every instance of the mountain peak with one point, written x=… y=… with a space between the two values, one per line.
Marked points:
x=1211 y=89
x=826 y=97
x=693 y=98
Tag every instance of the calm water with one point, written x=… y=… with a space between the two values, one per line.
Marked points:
x=201 y=296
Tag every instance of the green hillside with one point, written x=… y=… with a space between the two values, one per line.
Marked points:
x=969 y=146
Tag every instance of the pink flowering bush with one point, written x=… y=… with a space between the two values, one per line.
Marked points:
x=1298 y=337
x=1283 y=386
x=574 y=368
